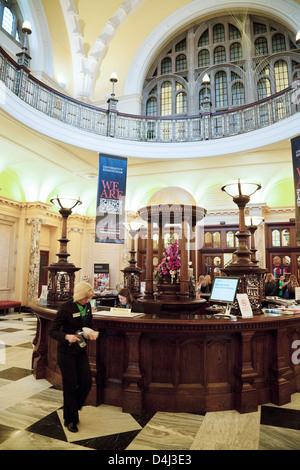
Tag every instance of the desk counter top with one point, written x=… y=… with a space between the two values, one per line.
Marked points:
x=183 y=362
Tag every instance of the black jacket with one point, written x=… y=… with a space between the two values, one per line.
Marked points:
x=271 y=289
x=67 y=322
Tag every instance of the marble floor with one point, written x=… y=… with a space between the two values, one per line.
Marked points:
x=31 y=415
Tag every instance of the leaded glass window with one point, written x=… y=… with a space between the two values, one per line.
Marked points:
x=259 y=28
x=166 y=65
x=11 y=19
x=218 y=33
x=166 y=99
x=181 y=103
x=278 y=43
x=219 y=55
x=238 y=94
x=8 y=20
x=234 y=32
x=203 y=58
x=181 y=46
x=261 y=46
x=204 y=39
x=236 y=51
x=152 y=107
x=229 y=50
x=181 y=63
x=221 y=89
x=264 y=88
x=281 y=75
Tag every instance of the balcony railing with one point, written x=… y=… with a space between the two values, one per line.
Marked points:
x=205 y=126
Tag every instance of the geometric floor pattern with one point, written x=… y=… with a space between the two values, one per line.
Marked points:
x=31 y=414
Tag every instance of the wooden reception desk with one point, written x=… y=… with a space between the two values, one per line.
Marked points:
x=183 y=363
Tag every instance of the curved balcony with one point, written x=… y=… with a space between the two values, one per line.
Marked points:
x=111 y=123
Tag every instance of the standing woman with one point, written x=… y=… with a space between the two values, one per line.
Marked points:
x=289 y=292
x=74 y=317
x=127 y=300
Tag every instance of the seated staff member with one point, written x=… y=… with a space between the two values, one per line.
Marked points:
x=126 y=300
x=72 y=316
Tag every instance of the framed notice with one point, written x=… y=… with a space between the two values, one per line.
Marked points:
x=244 y=304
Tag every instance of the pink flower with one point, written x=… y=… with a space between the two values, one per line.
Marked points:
x=170 y=263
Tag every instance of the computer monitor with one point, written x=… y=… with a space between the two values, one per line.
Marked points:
x=224 y=290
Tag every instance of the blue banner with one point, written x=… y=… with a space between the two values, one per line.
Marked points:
x=110 y=214
x=296 y=170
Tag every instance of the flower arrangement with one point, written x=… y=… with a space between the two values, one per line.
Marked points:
x=170 y=263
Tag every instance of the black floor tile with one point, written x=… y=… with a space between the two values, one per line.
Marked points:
x=49 y=426
x=144 y=418
x=113 y=442
x=281 y=417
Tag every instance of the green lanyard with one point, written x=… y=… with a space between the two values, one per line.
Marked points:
x=81 y=309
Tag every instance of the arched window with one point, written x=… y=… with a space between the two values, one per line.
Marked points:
x=278 y=43
x=220 y=48
x=166 y=65
x=166 y=99
x=261 y=46
x=8 y=20
x=203 y=58
x=181 y=63
x=221 y=89
x=11 y=19
x=218 y=33
x=263 y=88
x=281 y=75
x=181 y=103
x=151 y=107
x=234 y=32
x=238 y=94
x=236 y=51
x=204 y=39
x=219 y=55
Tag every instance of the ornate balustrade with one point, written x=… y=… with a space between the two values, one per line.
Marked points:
x=205 y=126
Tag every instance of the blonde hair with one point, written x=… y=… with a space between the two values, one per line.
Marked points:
x=269 y=277
x=82 y=289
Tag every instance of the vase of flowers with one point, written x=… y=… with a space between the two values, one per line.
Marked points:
x=168 y=271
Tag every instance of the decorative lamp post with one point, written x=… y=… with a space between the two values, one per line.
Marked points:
x=206 y=82
x=253 y=223
x=132 y=273
x=206 y=105
x=23 y=57
x=62 y=273
x=251 y=275
x=240 y=193
x=112 y=107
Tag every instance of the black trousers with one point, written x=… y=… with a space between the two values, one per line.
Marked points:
x=77 y=382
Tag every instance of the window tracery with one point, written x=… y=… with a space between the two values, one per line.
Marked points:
x=247 y=59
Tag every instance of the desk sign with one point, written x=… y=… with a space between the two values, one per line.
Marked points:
x=297 y=293
x=244 y=305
